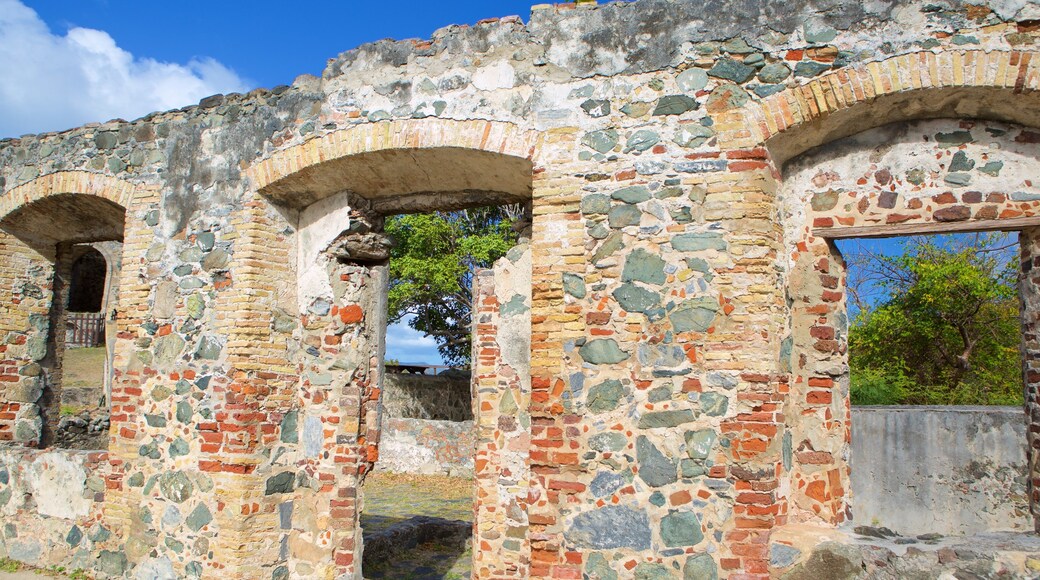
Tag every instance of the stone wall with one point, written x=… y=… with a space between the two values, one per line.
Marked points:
x=444 y=397
x=426 y=446
x=940 y=470
x=670 y=360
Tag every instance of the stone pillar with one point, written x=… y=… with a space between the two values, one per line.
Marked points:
x=501 y=379
x=1029 y=295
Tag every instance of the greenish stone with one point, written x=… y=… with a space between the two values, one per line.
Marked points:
x=189 y=255
x=915 y=176
x=161 y=393
x=112 y=563
x=674 y=105
x=280 y=483
x=714 y=404
x=74 y=536
x=183 y=270
x=819 y=34
x=641 y=140
x=693 y=135
x=166 y=348
x=633 y=298
x=601 y=141
x=609 y=441
x=183 y=387
x=658 y=419
x=116 y=165
x=574 y=285
x=179 y=448
x=659 y=394
x=700 y=567
x=657 y=499
x=668 y=192
x=199 y=518
x=605 y=396
x=196 y=306
x=785 y=354
x=700 y=443
x=37 y=347
x=992 y=168
x=634 y=194
x=696 y=242
x=514 y=306
x=136 y=480
x=150 y=450
x=731 y=70
x=787 y=450
x=611 y=244
x=958 y=179
x=623 y=216
x=174 y=545
x=5 y=496
x=810 y=68
x=209 y=348
x=737 y=45
x=175 y=486
x=184 y=411
x=954 y=138
x=596 y=203
x=696 y=315
x=596 y=107
x=680 y=529
x=602 y=351
x=652 y=571
x=764 y=91
x=597 y=567
x=692 y=80
x=824 y=200
x=637 y=109
x=654 y=467
x=960 y=162
x=963 y=39
x=643 y=266
x=289 y=427
x=215 y=260
x=690 y=468
x=507 y=404
x=106 y=140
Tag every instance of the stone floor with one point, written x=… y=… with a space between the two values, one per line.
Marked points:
x=423 y=521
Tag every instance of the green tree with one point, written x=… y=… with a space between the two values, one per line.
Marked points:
x=946 y=327
x=432 y=265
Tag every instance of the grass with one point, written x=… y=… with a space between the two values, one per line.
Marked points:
x=9 y=565
x=440 y=486
x=83 y=367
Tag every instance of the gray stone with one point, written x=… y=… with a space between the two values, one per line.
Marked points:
x=692 y=80
x=661 y=356
x=165 y=303
x=175 y=486
x=819 y=34
x=714 y=404
x=634 y=194
x=829 y=560
x=179 y=448
x=623 y=216
x=693 y=135
x=992 y=168
x=289 y=433
x=609 y=441
x=596 y=203
x=672 y=418
x=643 y=266
x=313 y=436
x=674 y=105
x=642 y=140
x=199 y=518
x=605 y=396
x=610 y=527
x=611 y=244
x=215 y=261
x=701 y=166
x=652 y=571
x=112 y=563
x=700 y=443
x=958 y=179
x=167 y=348
x=633 y=298
x=695 y=315
x=680 y=529
x=659 y=394
x=196 y=306
x=782 y=555
x=605 y=483
x=960 y=162
x=74 y=536
x=954 y=138
x=596 y=107
x=696 y=242
x=731 y=70
x=283 y=482
x=654 y=467
x=209 y=348
x=775 y=72
x=824 y=200
x=514 y=306
x=184 y=411
x=700 y=567
x=601 y=141
x=205 y=241
x=810 y=68
x=602 y=351
x=598 y=568
x=574 y=285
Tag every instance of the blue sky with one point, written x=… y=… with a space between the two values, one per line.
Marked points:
x=64 y=63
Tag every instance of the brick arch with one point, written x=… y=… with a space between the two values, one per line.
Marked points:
x=111 y=188
x=916 y=85
x=286 y=171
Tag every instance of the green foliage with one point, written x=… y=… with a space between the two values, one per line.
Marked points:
x=10 y=566
x=431 y=270
x=946 y=331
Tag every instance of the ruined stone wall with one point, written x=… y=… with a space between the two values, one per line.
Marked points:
x=686 y=355
x=435 y=397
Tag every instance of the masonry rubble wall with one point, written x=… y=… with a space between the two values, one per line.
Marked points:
x=444 y=397
x=940 y=470
x=686 y=376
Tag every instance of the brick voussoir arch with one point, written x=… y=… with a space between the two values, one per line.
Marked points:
x=916 y=85
x=491 y=136
x=65 y=182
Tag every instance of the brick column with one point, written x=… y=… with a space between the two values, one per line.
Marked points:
x=1029 y=295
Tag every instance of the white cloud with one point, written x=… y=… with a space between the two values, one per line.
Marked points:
x=407 y=345
x=50 y=82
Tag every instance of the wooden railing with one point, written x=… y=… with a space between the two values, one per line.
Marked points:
x=85 y=329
